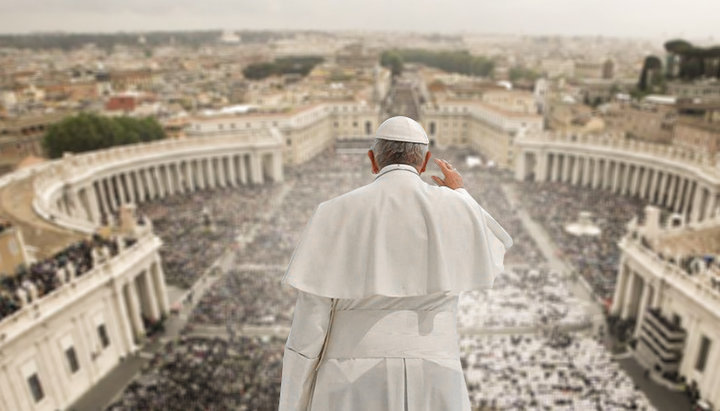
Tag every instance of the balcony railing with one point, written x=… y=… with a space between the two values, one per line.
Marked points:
x=49 y=304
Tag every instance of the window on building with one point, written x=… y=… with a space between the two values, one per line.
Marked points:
x=102 y=333
x=72 y=359
x=288 y=142
x=703 y=354
x=432 y=128
x=354 y=123
x=220 y=126
x=35 y=387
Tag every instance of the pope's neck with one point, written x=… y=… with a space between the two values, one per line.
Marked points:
x=393 y=167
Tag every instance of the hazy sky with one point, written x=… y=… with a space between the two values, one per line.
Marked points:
x=646 y=18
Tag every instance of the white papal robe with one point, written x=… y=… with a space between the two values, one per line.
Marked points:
x=378 y=272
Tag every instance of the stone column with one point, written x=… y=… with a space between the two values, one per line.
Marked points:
x=711 y=204
x=121 y=312
x=607 y=178
x=78 y=209
x=697 y=203
x=231 y=170
x=277 y=167
x=629 y=296
x=92 y=197
x=122 y=180
x=620 y=285
x=662 y=186
x=201 y=173
x=588 y=171
x=189 y=175
x=179 y=177
x=147 y=173
x=130 y=186
x=243 y=169
x=221 y=175
x=567 y=171
x=679 y=194
x=104 y=202
x=644 y=303
x=625 y=180
x=151 y=295
x=576 y=171
x=635 y=182
x=158 y=181
x=256 y=169
x=160 y=288
x=616 y=178
x=657 y=294
x=644 y=183
x=653 y=186
x=671 y=197
x=689 y=193
x=555 y=169
x=113 y=198
x=135 y=313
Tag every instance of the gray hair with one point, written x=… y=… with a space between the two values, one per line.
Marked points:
x=398 y=152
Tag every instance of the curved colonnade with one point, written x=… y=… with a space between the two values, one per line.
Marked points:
x=81 y=191
x=682 y=180
x=675 y=309
x=59 y=344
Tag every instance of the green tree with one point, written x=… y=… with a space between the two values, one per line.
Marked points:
x=393 y=61
x=87 y=131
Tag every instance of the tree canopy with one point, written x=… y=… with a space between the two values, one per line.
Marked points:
x=301 y=65
x=451 y=61
x=393 y=61
x=87 y=131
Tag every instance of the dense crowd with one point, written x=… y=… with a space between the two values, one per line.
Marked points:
x=196 y=373
x=557 y=371
x=326 y=176
x=596 y=258
x=522 y=297
x=196 y=228
x=30 y=283
x=520 y=372
x=245 y=297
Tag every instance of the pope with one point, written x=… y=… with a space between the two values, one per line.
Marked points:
x=378 y=272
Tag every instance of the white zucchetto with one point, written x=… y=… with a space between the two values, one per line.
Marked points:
x=401 y=128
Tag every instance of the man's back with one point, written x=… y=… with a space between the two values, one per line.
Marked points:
x=378 y=272
x=398 y=234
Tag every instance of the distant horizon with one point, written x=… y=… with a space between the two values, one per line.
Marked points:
x=705 y=41
x=641 y=19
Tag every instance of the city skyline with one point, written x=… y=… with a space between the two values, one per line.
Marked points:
x=644 y=18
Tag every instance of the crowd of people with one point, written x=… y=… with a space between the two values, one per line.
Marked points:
x=522 y=298
x=32 y=282
x=596 y=258
x=245 y=297
x=197 y=373
x=196 y=228
x=265 y=222
x=557 y=371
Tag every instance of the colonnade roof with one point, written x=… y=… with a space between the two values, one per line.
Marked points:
x=701 y=242
x=16 y=206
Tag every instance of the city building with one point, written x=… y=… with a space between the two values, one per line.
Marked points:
x=669 y=285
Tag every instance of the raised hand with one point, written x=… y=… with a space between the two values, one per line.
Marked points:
x=452 y=177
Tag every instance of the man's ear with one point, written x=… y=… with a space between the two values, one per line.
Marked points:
x=424 y=164
x=373 y=162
